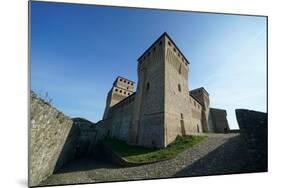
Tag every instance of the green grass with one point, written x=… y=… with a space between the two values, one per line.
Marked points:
x=139 y=154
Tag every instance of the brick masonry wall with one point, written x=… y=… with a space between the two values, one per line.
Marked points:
x=53 y=139
x=253 y=128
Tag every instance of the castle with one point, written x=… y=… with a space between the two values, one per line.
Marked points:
x=162 y=106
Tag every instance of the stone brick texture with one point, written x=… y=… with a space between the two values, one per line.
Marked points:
x=53 y=139
x=253 y=128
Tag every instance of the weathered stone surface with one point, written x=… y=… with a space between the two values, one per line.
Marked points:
x=53 y=140
x=88 y=138
x=253 y=128
x=218 y=120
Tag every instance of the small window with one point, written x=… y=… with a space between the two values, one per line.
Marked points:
x=128 y=82
x=180 y=69
x=174 y=49
x=181 y=116
x=148 y=54
x=179 y=54
x=179 y=87
x=182 y=59
x=154 y=49
x=169 y=43
x=131 y=83
x=144 y=58
x=120 y=91
x=124 y=92
x=129 y=94
x=124 y=81
x=160 y=43
x=116 y=89
x=121 y=79
x=194 y=103
x=147 y=86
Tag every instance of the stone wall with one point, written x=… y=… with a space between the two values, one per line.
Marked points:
x=202 y=97
x=53 y=139
x=120 y=118
x=218 y=120
x=88 y=137
x=178 y=113
x=196 y=117
x=253 y=128
x=147 y=127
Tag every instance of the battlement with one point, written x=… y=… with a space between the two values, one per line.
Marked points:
x=166 y=41
x=124 y=84
x=199 y=90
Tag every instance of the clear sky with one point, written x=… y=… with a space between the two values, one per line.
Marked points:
x=78 y=50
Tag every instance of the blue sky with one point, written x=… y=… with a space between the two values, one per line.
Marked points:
x=78 y=50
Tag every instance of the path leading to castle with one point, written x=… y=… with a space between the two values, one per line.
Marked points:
x=218 y=154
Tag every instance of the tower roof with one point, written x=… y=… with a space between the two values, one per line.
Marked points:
x=162 y=36
x=200 y=88
x=123 y=78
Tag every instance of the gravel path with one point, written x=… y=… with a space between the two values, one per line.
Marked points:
x=218 y=154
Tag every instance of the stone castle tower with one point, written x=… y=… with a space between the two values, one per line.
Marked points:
x=203 y=97
x=121 y=89
x=162 y=106
x=161 y=112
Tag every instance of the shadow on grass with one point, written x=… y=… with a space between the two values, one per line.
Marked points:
x=137 y=154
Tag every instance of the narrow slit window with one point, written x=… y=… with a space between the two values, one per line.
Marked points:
x=179 y=87
x=147 y=86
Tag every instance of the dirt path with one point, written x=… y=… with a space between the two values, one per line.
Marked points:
x=218 y=154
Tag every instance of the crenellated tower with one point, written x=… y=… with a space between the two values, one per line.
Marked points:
x=160 y=112
x=121 y=89
x=203 y=97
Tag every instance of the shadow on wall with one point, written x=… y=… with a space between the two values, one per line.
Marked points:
x=70 y=148
x=253 y=129
x=229 y=158
x=86 y=163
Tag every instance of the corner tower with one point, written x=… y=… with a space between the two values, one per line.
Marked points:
x=203 y=97
x=121 y=89
x=161 y=111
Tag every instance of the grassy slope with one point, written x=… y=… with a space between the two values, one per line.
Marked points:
x=139 y=154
